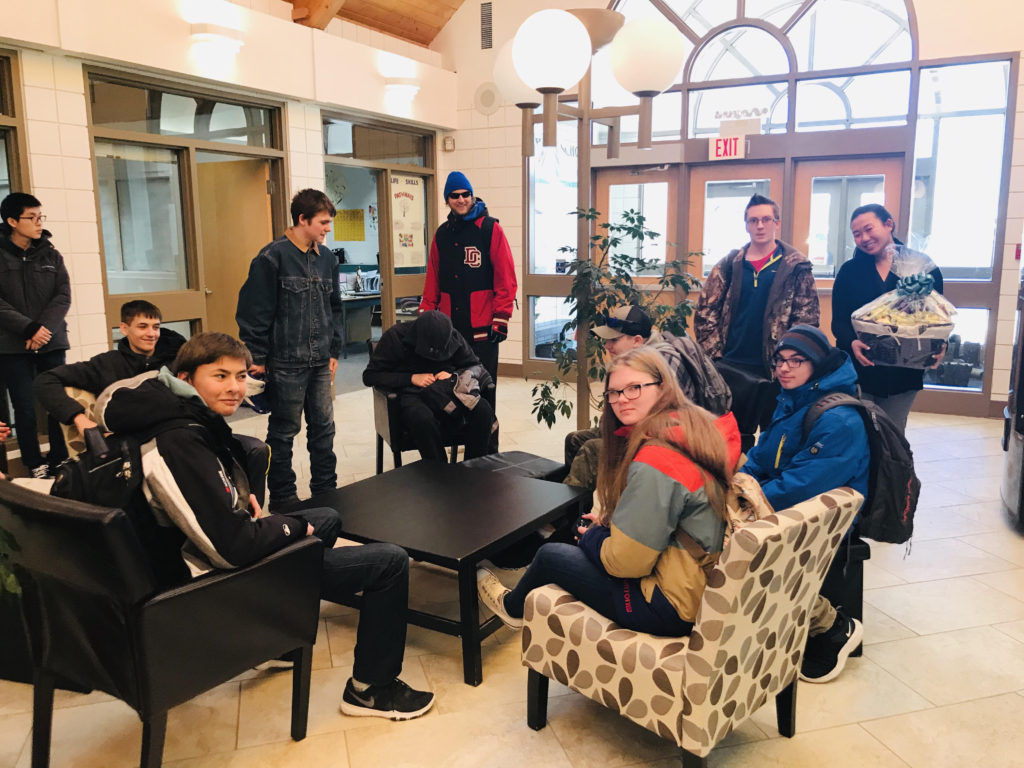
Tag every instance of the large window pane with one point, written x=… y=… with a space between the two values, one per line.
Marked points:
x=666 y=119
x=851 y=33
x=703 y=15
x=740 y=52
x=650 y=201
x=833 y=198
x=863 y=101
x=380 y=145
x=5 y=168
x=548 y=316
x=964 y=364
x=724 y=205
x=150 y=110
x=141 y=218
x=552 y=200
x=960 y=107
x=354 y=234
x=709 y=107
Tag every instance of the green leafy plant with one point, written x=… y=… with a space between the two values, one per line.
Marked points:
x=600 y=283
x=8 y=581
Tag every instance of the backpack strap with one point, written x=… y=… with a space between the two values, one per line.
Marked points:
x=487 y=228
x=827 y=402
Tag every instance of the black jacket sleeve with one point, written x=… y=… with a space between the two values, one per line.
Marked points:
x=386 y=368
x=843 y=305
x=49 y=387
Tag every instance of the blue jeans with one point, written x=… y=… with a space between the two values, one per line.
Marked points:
x=381 y=573
x=294 y=392
x=621 y=600
x=17 y=372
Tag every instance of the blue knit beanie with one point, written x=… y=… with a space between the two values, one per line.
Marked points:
x=456 y=180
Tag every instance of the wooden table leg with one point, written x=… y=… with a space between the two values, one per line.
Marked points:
x=469 y=613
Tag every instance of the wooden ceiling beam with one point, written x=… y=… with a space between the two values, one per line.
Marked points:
x=315 y=13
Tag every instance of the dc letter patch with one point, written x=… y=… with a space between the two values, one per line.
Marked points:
x=473 y=256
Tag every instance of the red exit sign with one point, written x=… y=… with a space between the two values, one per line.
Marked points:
x=727 y=148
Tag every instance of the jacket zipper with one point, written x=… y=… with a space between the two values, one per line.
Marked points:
x=778 y=453
x=767 y=264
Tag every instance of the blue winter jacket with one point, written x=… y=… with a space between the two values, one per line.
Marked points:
x=835 y=453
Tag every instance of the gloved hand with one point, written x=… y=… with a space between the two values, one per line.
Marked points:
x=499 y=330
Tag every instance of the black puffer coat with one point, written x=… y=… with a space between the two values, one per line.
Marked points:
x=34 y=291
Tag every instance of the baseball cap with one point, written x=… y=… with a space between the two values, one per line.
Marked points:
x=628 y=320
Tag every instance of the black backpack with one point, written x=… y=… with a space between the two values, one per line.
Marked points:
x=698 y=378
x=893 y=487
x=109 y=474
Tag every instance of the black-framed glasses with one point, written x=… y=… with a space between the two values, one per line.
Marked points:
x=40 y=218
x=632 y=392
x=765 y=220
x=457 y=195
x=792 y=363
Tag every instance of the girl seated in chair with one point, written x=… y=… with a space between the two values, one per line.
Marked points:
x=665 y=466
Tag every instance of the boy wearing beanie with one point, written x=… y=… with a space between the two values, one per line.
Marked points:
x=792 y=469
x=470 y=273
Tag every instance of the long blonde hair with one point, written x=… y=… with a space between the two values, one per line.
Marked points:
x=673 y=421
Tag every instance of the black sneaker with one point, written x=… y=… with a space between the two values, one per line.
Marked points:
x=825 y=654
x=395 y=701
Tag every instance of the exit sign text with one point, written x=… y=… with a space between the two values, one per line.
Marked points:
x=728 y=148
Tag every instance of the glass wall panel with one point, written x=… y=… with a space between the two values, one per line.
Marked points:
x=863 y=101
x=553 y=175
x=703 y=15
x=769 y=102
x=150 y=110
x=958 y=166
x=650 y=201
x=851 y=33
x=343 y=138
x=5 y=167
x=354 y=234
x=666 y=119
x=964 y=364
x=141 y=218
x=833 y=198
x=548 y=316
x=724 y=204
x=740 y=52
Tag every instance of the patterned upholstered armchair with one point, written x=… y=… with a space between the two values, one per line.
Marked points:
x=746 y=645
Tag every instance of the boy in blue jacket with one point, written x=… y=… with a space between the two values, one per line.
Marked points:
x=792 y=469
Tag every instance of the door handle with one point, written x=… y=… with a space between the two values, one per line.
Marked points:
x=208 y=292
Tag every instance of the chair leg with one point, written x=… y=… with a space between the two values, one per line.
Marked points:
x=536 y=700
x=380 y=455
x=691 y=760
x=455 y=453
x=42 y=718
x=396 y=456
x=154 y=728
x=303 y=658
x=785 y=709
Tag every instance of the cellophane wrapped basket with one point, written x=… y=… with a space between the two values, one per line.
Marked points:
x=908 y=326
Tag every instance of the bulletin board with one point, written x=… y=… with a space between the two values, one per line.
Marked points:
x=408 y=214
x=349 y=225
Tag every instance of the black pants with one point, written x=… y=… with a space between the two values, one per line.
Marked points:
x=487 y=352
x=428 y=429
x=17 y=372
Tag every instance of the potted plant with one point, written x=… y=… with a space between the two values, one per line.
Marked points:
x=602 y=280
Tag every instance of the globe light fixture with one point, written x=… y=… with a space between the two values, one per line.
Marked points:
x=649 y=73
x=551 y=52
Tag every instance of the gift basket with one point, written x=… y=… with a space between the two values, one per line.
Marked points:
x=906 y=327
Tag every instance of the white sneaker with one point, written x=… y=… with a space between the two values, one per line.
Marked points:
x=492 y=594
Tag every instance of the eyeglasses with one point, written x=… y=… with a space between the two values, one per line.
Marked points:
x=33 y=219
x=764 y=221
x=632 y=392
x=457 y=195
x=792 y=363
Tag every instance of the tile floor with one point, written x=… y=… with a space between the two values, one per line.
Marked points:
x=941 y=682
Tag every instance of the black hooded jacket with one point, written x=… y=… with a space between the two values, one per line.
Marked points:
x=35 y=291
x=99 y=372
x=395 y=360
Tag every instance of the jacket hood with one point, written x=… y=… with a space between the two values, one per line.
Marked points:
x=39 y=244
x=842 y=378
x=148 y=401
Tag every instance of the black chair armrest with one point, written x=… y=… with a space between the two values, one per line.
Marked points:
x=246 y=616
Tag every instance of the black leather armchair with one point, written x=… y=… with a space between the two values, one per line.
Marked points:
x=96 y=617
x=387 y=422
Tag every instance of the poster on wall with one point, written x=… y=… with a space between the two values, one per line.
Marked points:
x=408 y=213
x=348 y=225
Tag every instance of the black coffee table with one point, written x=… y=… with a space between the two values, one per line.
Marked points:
x=454 y=517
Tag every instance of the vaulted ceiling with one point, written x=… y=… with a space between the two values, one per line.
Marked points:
x=418 y=21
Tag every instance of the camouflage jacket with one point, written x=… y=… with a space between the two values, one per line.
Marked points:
x=793 y=299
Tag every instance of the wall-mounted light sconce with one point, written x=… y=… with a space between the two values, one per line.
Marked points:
x=215 y=34
x=398 y=95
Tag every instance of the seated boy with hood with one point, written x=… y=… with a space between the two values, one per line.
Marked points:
x=792 y=469
x=439 y=381
x=195 y=479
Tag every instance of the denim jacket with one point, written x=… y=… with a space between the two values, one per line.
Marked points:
x=289 y=308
